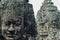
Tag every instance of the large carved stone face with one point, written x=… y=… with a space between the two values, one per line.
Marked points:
x=11 y=28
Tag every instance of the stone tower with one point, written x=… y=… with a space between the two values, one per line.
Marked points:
x=19 y=9
x=48 y=22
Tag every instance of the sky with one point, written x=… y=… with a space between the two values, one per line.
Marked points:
x=38 y=3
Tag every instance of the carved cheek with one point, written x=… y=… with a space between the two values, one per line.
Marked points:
x=17 y=28
x=5 y=28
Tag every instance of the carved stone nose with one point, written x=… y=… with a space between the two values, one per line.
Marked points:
x=11 y=28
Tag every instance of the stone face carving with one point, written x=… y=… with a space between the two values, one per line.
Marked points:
x=12 y=21
x=18 y=22
x=48 y=22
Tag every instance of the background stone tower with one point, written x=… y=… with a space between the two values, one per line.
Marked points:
x=48 y=21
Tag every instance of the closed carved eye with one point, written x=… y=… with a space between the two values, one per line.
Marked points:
x=18 y=22
x=7 y=23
